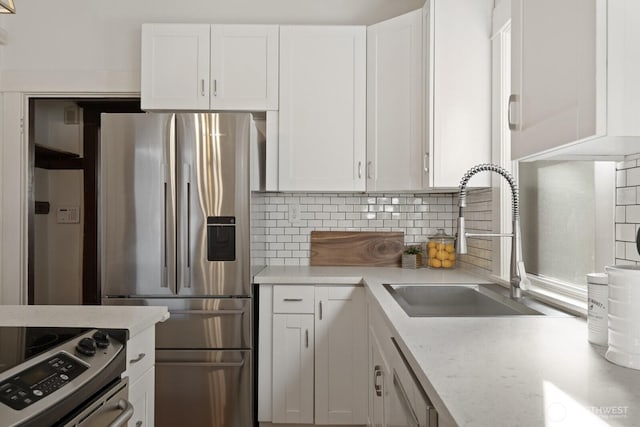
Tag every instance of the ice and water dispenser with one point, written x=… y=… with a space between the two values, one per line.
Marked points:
x=221 y=238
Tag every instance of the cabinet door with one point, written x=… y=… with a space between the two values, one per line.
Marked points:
x=459 y=94
x=175 y=67
x=244 y=67
x=293 y=342
x=141 y=395
x=395 y=143
x=553 y=56
x=378 y=380
x=322 y=108
x=341 y=349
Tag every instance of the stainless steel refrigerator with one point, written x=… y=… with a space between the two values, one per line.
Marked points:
x=174 y=215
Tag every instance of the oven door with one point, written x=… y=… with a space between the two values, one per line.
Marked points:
x=111 y=408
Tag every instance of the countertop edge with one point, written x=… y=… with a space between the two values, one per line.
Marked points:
x=133 y=318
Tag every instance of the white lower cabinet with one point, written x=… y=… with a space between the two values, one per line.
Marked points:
x=293 y=368
x=396 y=398
x=141 y=396
x=378 y=379
x=341 y=348
x=312 y=347
x=141 y=373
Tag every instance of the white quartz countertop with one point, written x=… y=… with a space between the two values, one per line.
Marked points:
x=509 y=371
x=354 y=275
x=135 y=319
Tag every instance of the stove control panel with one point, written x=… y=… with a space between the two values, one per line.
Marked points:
x=40 y=380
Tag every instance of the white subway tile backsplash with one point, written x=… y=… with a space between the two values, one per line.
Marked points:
x=620 y=249
x=628 y=163
x=632 y=177
x=627 y=209
x=632 y=214
x=625 y=232
x=631 y=252
x=621 y=178
x=626 y=196
x=278 y=241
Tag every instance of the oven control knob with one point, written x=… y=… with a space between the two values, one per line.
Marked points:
x=102 y=339
x=86 y=346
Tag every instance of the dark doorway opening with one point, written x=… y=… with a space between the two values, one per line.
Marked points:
x=50 y=157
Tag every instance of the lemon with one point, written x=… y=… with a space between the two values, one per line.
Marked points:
x=432 y=252
x=450 y=247
x=442 y=255
x=431 y=245
x=436 y=263
x=447 y=264
x=452 y=256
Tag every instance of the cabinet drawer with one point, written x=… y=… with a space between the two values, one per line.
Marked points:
x=140 y=354
x=293 y=299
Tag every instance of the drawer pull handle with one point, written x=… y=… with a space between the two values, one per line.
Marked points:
x=137 y=359
x=293 y=299
x=377 y=373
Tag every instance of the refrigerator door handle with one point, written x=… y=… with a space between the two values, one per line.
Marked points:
x=187 y=269
x=203 y=364
x=208 y=312
x=165 y=267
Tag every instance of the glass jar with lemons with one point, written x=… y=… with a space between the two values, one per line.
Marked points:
x=441 y=252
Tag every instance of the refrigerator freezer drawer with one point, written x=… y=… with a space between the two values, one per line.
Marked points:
x=203 y=388
x=199 y=322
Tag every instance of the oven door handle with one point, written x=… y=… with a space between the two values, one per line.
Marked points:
x=203 y=364
x=127 y=413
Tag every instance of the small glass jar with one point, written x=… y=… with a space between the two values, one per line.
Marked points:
x=441 y=251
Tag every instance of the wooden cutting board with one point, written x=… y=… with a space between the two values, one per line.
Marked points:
x=356 y=248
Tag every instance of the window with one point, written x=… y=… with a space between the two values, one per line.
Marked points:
x=567 y=218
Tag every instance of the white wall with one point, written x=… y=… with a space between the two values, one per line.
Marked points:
x=61 y=243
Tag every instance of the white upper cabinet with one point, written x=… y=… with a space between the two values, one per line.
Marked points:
x=175 y=66
x=244 y=67
x=322 y=118
x=576 y=92
x=458 y=95
x=429 y=96
x=203 y=67
x=395 y=116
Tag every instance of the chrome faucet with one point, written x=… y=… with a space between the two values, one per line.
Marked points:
x=518 y=276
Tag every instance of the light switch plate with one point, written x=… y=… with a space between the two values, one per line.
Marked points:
x=294 y=213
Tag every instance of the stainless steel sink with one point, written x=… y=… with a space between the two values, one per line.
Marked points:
x=454 y=300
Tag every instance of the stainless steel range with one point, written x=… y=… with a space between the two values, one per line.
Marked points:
x=62 y=377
